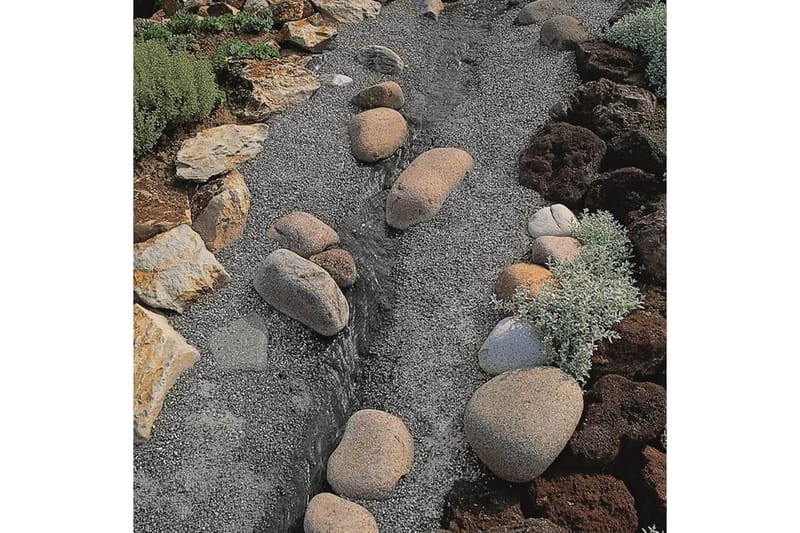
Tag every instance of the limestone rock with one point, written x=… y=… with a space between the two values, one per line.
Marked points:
x=258 y=89
x=518 y=422
x=421 y=189
x=339 y=264
x=556 y=220
x=533 y=277
x=562 y=32
x=376 y=134
x=540 y=10
x=385 y=94
x=303 y=233
x=549 y=248
x=302 y=290
x=380 y=59
x=335 y=80
x=221 y=208
x=173 y=269
x=328 y=513
x=512 y=344
x=311 y=34
x=347 y=10
x=158 y=206
x=376 y=450
x=160 y=355
x=214 y=151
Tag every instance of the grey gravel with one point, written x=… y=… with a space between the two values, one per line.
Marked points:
x=223 y=450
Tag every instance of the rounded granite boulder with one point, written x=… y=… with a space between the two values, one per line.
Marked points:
x=521 y=275
x=303 y=233
x=385 y=94
x=512 y=344
x=556 y=221
x=328 y=513
x=376 y=134
x=339 y=264
x=562 y=32
x=548 y=248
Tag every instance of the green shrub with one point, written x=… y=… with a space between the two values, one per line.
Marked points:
x=594 y=292
x=234 y=49
x=216 y=24
x=183 y=22
x=242 y=22
x=153 y=31
x=169 y=88
x=246 y=22
x=646 y=30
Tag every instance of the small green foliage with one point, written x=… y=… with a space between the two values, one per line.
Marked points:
x=183 y=22
x=216 y=24
x=169 y=88
x=153 y=31
x=246 y=22
x=646 y=30
x=592 y=293
x=234 y=49
x=242 y=22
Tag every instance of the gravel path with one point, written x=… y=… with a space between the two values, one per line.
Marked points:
x=222 y=452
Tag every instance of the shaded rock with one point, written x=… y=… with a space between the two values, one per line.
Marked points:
x=607 y=108
x=303 y=233
x=220 y=210
x=622 y=191
x=284 y=11
x=380 y=59
x=650 y=487
x=629 y=6
x=385 y=94
x=170 y=7
x=601 y=59
x=339 y=264
x=644 y=149
x=158 y=206
x=512 y=344
x=648 y=233
x=174 y=268
x=562 y=32
x=376 y=450
x=311 y=34
x=219 y=9
x=241 y=345
x=619 y=414
x=585 y=503
x=335 y=80
x=160 y=355
x=540 y=10
x=328 y=513
x=533 y=277
x=418 y=193
x=376 y=134
x=214 y=151
x=518 y=422
x=193 y=5
x=347 y=10
x=530 y=525
x=548 y=248
x=258 y=89
x=430 y=8
x=302 y=290
x=556 y=221
x=561 y=162
x=255 y=6
x=639 y=353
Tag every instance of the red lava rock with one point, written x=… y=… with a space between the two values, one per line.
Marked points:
x=601 y=59
x=643 y=148
x=622 y=191
x=618 y=413
x=651 y=494
x=639 y=353
x=590 y=503
x=648 y=233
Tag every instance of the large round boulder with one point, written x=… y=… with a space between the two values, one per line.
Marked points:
x=328 y=513
x=512 y=344
x=376 y=134
x=518 y=422
x=562 y=32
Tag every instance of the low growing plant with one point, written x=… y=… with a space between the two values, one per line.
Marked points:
x=235 y=49
x=593 y=292
x=242 y=22
x=153 y=31
x=246 y=22
x=646 y=30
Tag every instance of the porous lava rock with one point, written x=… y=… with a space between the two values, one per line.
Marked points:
x=601 y=59
x=648 y=233
x=640 y=351
x=641 y=148
x=622 y=191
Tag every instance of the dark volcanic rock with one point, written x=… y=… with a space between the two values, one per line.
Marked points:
x=622 y=191
x=629 y=6
x=607 y=108
x=561 y=162
x=648 y=233
x=601 y=59
x=619 y=413
x=639 y=353
x=645 y=149
x=585 y=503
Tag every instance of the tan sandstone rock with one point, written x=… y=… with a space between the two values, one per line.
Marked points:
x=376 y=134
x=347 y=10
x=339 y=264
x=521 y=275
x=385 y=94
x=158 y=206
x=214 y=151
x=548 y=248
x=311 y=34
x=220 y=210
x=303 y=233
x=328 y=513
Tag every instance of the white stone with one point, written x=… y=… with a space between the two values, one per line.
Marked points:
x=556 y=220
x=512 y=344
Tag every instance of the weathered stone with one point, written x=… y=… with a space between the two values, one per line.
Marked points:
x=518 y=422
x=376 y=134
x=430 y=8
x=311 y=34
x=254 y=6
x=173 y=269
x=160 y=355
x=219 y=9
x=335 y=80
x=561 y=162
x=380 y=59
x=601 y=59
x=540 y=10
x=385 y=94
x=639 y=352
x=548 y=248
x=328 y=513
x=648 y=233
x=347 y=10
x=556 y=221
x=258 y=89
x=284 y=11
x=158 y=206
x=421 y=189
x=339 y=264
x=607 y=108
x=170 y=7
x=376 y=450
x=512 y=344
x=303 y=233
x=214 y=151
x=644 y=149
x=562 y=32
x=622 y=191
x=302 y=290
x=220 y=210
x=533 y=277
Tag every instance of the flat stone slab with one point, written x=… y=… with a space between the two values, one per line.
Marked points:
x=217 y=150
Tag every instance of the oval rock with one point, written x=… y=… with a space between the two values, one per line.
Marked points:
x=556 y=221
x=521 y=275
x=376 y=134
x=328 y=513
x=385 y=94
x=512 y=344
x=303 y=233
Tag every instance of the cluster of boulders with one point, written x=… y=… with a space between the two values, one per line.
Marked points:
x=559 y=30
